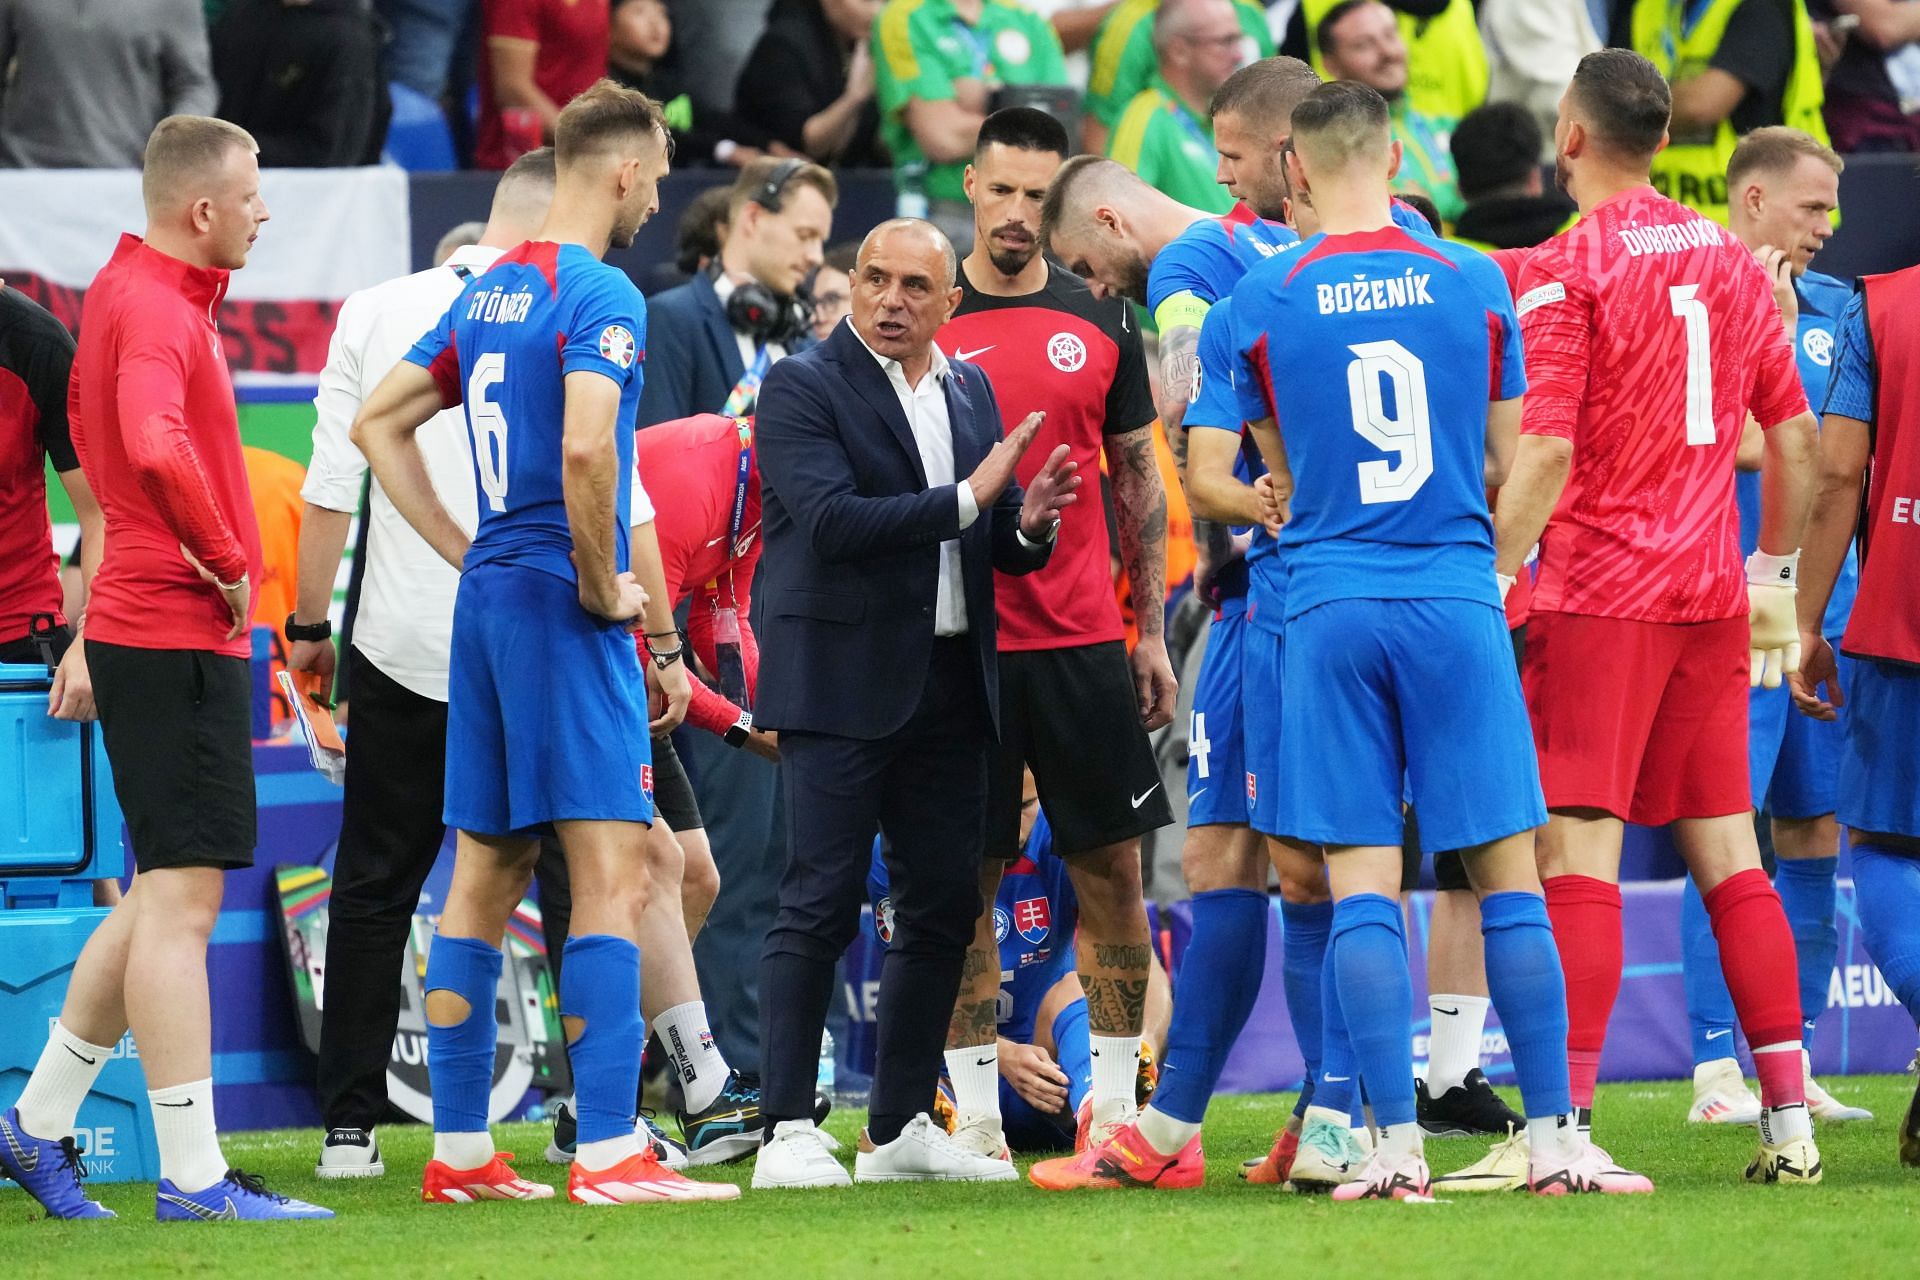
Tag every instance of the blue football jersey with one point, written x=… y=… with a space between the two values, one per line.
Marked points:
x=1034 y=916
x=1210 y=256
x=503 y=350
x=1378 y=352
x=1822 y=301
x=1217 y=405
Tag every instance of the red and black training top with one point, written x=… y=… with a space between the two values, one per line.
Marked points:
x=1080 y=359
x=36 y=358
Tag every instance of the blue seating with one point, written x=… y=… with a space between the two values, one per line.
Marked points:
x=418 y=139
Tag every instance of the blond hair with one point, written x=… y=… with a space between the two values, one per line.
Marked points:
x=185 y=150
x=1776 y=149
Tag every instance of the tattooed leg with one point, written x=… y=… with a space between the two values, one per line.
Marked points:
x=976 y=1011
x=1115 y=951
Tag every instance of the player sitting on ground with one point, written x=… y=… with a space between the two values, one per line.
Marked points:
x=1651 y=333
x=1393 y=617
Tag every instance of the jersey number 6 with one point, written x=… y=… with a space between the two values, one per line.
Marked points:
x=1402 y=429
x=489 y=427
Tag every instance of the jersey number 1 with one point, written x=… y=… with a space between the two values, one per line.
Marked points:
x=489 y=427
x=1693 y=313
x=1405 y=430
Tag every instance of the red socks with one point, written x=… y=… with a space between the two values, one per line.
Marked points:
x=1586 y=927
x=1757 y=956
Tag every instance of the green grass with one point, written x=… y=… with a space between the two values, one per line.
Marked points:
x=1864 y=1221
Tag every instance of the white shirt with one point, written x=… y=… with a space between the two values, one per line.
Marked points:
x=926 y=409
x=405 y=621
x=723 y=287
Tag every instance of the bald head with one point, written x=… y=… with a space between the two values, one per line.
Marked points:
x=903 y=291
x=909 y=237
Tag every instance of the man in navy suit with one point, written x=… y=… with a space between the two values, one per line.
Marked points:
x=889 y=500
x=710 y=343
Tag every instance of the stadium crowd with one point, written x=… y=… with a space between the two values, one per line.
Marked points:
x=1257 y=190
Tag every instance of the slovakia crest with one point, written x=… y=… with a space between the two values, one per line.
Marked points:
x=1033 y=917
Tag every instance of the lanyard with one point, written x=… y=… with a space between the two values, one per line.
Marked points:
x=730 y=669
x=976 y=42
x=746 y=392
x=1188 y=123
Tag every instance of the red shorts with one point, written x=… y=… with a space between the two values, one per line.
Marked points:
x=1645 y=720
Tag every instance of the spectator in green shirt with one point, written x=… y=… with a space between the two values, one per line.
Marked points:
x=1165 y=134
x=937 y=64
x=1124 y=61
x=1361 y=40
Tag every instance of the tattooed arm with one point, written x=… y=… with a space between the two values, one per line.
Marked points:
x=1140 y=504
x=1179 y=364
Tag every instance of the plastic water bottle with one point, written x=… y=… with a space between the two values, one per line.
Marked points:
x=825 y=1080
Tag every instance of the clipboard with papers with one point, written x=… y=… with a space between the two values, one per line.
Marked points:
x=313 y=712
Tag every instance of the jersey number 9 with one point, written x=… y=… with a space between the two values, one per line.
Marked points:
x=1403 y=430
x=489 y=427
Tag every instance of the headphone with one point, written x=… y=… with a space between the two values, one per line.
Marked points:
x=753 y=310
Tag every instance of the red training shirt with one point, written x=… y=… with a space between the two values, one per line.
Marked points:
x=36 y=360
x=691 y=468
x=572 y=36
x=1651 y=333
x=1079 y=358
x=154 y=424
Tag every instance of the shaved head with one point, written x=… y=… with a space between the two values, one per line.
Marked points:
x=1083 y=184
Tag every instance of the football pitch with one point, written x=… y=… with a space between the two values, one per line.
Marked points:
x=1703 y=1220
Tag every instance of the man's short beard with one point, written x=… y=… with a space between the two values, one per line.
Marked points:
x=1011 y=262
x=1562 y=175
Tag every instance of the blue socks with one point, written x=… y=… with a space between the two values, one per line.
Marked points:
x=600 y=984
x=460 y=1057
x=1333 y=1085
x=1369 y=951
x=1219 y=981
x=1523 y=977
x=1886 y=894
x=1074 y=1052
x=1710 y=1015
x=1807 y=895
x=1303 y=959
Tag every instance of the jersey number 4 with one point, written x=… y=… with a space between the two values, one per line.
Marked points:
x=1379 y=372
x=489 y=424
x=1693 y=313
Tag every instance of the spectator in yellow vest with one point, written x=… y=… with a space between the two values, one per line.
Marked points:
x=1360 y=40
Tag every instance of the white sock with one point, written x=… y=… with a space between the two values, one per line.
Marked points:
x=1165 y=1134
x=606 y=1153
x=1782 y=1124
x=189 y=1144
x=463 y=1150
x=703 y=1068
x=1116 y=1070
x=1553 y=1136
x=60 y=1082
x=975 y=1072
x=1400 y=1142
x=1454 y=1047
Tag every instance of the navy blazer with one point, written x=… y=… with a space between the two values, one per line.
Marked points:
x=853 y=534
x=693 y=358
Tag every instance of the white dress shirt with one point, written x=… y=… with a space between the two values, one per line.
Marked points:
x=405 y=621
x=926 y=409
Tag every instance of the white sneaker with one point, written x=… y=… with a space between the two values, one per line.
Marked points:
x=1328 y=1155
x=981 y=1135
x=1822 y=1105
x=350 y=1153
x=1721 y=1095
x=800 y=1154
x=924 y=1153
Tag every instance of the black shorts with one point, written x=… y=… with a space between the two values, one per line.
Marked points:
x=178 y=726
x=673 y=799
x=1070 y=715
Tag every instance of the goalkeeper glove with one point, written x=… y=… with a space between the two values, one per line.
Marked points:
x=1774 y=643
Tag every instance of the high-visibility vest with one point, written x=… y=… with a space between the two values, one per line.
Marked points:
x=1693 y=167
x=1446 y=60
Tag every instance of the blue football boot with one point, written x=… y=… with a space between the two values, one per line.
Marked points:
x=239 y=1197
x=50 y=1171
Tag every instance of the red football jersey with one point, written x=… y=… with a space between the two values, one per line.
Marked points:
x=1080 y=359
x=1651 y=333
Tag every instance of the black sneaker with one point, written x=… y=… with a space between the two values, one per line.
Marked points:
x=350 y=1153
x=566 y=1133
x=566 y=1136
x=729 y=1128
x=1470 y=1109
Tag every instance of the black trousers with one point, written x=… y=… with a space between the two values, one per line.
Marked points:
x=390 y=834
x=926 y=787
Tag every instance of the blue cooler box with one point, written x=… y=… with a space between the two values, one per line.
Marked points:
x=60 y=829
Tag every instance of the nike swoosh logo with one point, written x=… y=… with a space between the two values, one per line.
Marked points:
x=716 y=541
x=92 y=1062
x=1715 y=1035
x=1142 y=797
x=985 y=1062
x=977 y=351
x=1336 y=1079
x=1448 y=1012
x=187 y=1103
x=27 y=1160
x=1195 y=795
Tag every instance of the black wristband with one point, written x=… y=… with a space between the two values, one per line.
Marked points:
x=668 y=658
x=321 y=630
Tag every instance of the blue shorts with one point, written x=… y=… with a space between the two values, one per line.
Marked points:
x=1215 y=758
x=1794 y=760
x=1879 y=770
x=1260 y=678
x=546 y=709
x=1419 y=698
